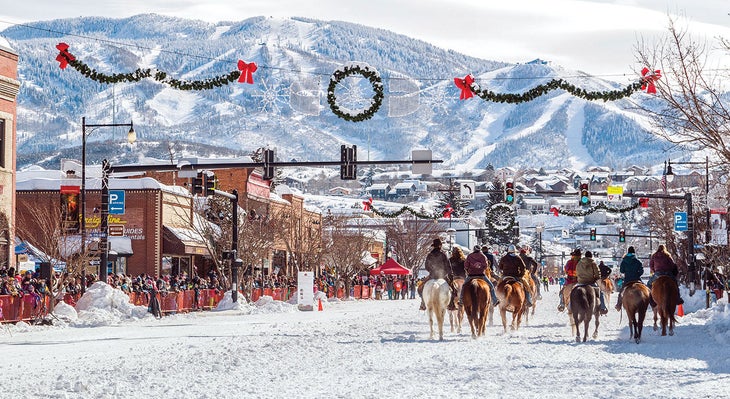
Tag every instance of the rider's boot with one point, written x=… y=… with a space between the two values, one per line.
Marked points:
x=528 y=298
x=454 y=295
x=618 y=302
x=561 y=306
x=604 y=309
x=423 y=305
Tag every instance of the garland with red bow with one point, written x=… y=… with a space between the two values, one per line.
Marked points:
x=468 y=87
x=244 y=74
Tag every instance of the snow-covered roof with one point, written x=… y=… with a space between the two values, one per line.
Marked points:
x=379 y=186
x=405 y=185
x=5 y=45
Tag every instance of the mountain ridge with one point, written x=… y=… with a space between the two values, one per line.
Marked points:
x=286 y=106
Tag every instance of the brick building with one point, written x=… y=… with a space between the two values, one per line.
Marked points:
x=9 y=87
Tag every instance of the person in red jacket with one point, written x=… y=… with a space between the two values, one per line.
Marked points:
x=570 y=275
x=662 y=264
x=475 y=266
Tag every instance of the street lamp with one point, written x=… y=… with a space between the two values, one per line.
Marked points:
x=539 y=229
x=131 y=138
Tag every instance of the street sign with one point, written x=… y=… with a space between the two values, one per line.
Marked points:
x=467 y=189
x=116 y=202
x=566 y=233
x=421 y=168
x=615 y=193
x=116 y=230
x=680 y=221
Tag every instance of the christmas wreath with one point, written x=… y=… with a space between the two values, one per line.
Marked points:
x=500 y=217
x=366 y=72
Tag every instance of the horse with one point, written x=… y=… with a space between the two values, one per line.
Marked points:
x=436 y=296
x=511 y=297
x=477 y=302
x=456 y=317
x=530 y=287
x=635 y=301
x=606 y=286
x=666 y=294
x=585 y=305
x=567 y=289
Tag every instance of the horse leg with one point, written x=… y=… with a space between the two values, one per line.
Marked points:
x=440 y=316
x=503 y=313
x=640 y=326
x=656 y=314
x=576 y=325
x=598 y=322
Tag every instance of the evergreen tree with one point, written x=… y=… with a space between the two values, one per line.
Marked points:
x=492 y=235
x=460 y=208
x=367 y=179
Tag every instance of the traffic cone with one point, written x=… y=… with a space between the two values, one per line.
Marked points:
x=319 y=306
x=680 y=310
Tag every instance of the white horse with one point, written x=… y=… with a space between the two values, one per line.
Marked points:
x=436 y=296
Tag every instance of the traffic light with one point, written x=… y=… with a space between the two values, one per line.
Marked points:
x=198 y=183
x=585 y=194
x=348 y=170
x=209 y=185
x=268 y=159
x=593 y=234
x=509 y=191
x=622 y=235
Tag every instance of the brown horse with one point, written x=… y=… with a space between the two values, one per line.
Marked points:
x=531 y=287
x=666 y=294
x=511 y=297
x=456 y=317
x=477 y=301
x=585 y=305
x=635 y=301
x=567 y=288
x=606 y=286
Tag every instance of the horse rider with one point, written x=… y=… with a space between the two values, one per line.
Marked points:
x=662 y=264
x=492 y=260
x=604 y=270
x=532 y=266
x=570 y=276
x=587 y=272
x=513 y=266
x=632 y=269
x=457 y=263
x=476 y=266
x=438 y=266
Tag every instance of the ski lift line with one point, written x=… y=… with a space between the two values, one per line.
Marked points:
x=217 y=59
x=232 y=165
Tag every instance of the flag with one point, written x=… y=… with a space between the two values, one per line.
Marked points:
x=664 y=183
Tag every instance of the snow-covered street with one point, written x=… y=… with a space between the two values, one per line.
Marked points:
x=357 y=349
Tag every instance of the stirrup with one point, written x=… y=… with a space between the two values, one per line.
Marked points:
x=561 y=307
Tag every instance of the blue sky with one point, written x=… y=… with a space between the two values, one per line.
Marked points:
x=595 y=36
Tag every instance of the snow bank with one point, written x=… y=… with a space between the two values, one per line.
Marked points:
x=66 y=312
x=103 y=305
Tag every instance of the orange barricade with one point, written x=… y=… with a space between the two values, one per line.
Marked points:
x=256 y=294
x=357 y=291
x=340 y=293
x=330 y=292
x=277 y=294
x=168 y=302
x=268 y=292
x=365 y=292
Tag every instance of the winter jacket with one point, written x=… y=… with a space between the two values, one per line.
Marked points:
x=605 y=270
x=570 y=270
x=530 y=262
x=631 y=267
x=492 y=260
x=437 y=264
x=512 y=265
x=457 y=267
x=476 y=264
x=587 y=271
x=661 y=263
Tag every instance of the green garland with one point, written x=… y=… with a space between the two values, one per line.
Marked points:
x=420 y=215
x=491 y=215
x=554 y=84
x=159 y=76
x=367 y=72
x=597 y=207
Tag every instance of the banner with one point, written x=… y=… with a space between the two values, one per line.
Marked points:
x=718 y=223
x=305 y=290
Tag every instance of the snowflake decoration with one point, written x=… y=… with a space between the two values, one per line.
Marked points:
x=355 y=92
x=270 y=97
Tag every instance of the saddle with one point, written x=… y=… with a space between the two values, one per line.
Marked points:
x=510 y=279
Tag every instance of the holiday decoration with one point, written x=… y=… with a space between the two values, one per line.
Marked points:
x=65 y=58
x=597 y=207
x=555 y=210
x=500 y=217
x=368 y=205
x=420 y=215
x=247 y=71
x=465 y=86
x=644 y=202
x=366 y=72
x=448 y=210
x=648 y=78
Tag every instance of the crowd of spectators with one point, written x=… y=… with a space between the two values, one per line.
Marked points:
x=28 y=283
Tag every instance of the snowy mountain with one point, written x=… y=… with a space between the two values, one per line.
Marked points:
x=286 y=107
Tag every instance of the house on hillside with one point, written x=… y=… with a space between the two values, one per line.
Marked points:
x=340 y=191
x=379 y=190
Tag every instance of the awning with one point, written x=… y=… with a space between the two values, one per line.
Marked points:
x=121 y=245
x=182 y=241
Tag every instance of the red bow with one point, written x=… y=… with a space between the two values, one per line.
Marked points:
x=555 y=211
x=64 y=57
x=368 y=205
x=648 y=78
x=465 y=86
x=644 y=202
x=247 y=71
x=448 y=210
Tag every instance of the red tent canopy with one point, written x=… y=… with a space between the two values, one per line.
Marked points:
x=390 y=267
